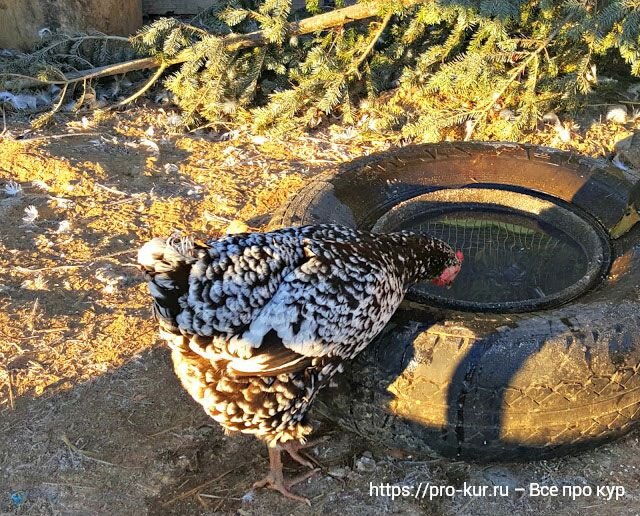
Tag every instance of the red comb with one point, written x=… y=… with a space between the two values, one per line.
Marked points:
x=459 y=255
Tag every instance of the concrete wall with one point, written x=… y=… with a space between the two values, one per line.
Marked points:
x=20 y=20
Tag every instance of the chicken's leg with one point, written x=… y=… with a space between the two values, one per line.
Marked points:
x=275 y=479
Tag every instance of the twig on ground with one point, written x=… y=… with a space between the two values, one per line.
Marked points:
x=111 y=190
x=195 y=490
x=10 y=387
x=4 y=122
x=66 y=484
x=26 y=270
x=166 y=430
x=217 y=497
x=90 y=456
x=56 y=137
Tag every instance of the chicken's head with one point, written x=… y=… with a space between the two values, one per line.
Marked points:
x=449 y=273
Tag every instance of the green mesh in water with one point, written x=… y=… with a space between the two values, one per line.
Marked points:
x=507 y=257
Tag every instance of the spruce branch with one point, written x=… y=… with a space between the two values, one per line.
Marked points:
x=152 y=80
x=45 y=118
x=490 y=66
x=482 y=113
x=232 y=42
x=374 y=39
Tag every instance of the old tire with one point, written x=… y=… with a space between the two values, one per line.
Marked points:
x=490 y=386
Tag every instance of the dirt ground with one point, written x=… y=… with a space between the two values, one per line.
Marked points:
x=92 y=418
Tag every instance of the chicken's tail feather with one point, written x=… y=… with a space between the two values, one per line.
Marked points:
x=162 y=255
x=166 y=264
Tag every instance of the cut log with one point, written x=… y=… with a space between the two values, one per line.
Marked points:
x=22 y=20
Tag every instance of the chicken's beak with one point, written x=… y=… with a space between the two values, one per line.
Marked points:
x=625 y=224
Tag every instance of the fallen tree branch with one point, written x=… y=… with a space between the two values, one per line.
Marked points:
x=147 y=85
x=372 y=42
x=232 y=42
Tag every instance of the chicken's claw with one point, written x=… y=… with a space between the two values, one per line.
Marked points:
x=293 y=449
x=275 y=479
x=277 y=483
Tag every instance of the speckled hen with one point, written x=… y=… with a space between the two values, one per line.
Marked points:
x=258 y=323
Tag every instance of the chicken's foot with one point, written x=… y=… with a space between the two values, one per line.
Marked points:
x=293 y=449
x=275 y=479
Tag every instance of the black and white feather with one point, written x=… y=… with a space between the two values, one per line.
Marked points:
x=259 y=323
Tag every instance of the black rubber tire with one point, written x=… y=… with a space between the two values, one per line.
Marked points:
x=490 y=386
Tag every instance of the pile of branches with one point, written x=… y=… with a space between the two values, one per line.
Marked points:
x=423 y=67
